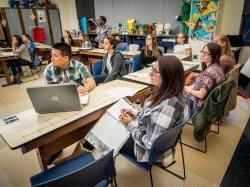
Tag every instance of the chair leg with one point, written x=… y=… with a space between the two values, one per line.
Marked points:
x=183 y=165
x=183 y=160
x=151 y=178
x=197 y=149
x=218 y=123
x=115 y=181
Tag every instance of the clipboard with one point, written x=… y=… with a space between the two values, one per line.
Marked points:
x=109 y=132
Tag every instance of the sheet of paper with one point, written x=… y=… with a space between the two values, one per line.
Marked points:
x=7 y=54
x=120 y=92
x=84 y=99
x=139 y=74
x=115 y=110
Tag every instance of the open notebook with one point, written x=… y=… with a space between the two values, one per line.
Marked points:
x=109 y=132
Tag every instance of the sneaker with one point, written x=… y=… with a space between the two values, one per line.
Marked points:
x=169 y=159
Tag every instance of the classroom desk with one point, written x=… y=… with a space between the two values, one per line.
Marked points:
x=143 y=77
x=96 y=54
x=7 y=49
x=45 y=50
x=49 y=133
x=4 y=58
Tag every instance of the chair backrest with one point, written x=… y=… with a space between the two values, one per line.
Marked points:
x=161 y=49
x=165 y=142
x=86 y=175
x=212 y=109
x=133 y=47
x=137 y=63
x=122 y=46
x=232 y=99
x=97 y=68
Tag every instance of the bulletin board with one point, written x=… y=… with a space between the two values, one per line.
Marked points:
x=13 y=20
x=202 y=21
x=55 y=23
x=28 y=22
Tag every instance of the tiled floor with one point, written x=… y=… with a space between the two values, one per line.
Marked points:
x=202 y=169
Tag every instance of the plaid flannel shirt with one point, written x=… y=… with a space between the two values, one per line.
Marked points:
x=76 y=72
x=153 y=122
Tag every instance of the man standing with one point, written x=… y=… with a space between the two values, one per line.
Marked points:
x=102 y=30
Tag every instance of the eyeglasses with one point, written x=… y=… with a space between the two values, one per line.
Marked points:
x=148 y=38
x=154 y=70
x=205 y=53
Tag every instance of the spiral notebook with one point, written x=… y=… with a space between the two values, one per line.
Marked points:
x=109 y=132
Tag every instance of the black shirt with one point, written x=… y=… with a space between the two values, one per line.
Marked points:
x=147 y=60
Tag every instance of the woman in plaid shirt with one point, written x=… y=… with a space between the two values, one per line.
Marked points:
x=164 y=109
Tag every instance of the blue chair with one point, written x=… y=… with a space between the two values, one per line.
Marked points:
x=79 y=172
x=97 y=68
x=122 y=46
x=137 y=63
x=162 y=144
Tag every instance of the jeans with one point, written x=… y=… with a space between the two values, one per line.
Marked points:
x=100 y=78
x=192 y=109
x=17 y=63
x=128 y=147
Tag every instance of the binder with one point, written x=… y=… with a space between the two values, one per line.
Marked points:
x=109 y=132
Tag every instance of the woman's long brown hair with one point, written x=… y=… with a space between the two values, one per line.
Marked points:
x=215 y=52
x=172 y=76
x=155 y=49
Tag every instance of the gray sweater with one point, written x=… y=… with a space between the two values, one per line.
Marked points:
x=118 y=66
x=23 y=53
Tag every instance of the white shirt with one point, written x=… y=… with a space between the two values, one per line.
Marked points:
x=109 y=66
x=180 y=49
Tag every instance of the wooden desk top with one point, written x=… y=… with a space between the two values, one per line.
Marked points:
x=100 y=52
x=8 y=56
x=32 y=125
x=7 y=49
x=143 y=77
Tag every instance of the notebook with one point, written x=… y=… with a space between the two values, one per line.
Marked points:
x=109 y=132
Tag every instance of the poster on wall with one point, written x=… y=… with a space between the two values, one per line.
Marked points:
x=202 y=21
x=41 y=16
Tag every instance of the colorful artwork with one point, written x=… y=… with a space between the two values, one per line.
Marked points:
x=202 y=19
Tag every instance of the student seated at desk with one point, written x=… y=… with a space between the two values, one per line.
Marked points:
x=182 y=46
x=227 y=58
x=223 y=41
x=164 y=109
x=211 y=76
x=24 y=58
x=113 y=65
x=29 y=43
x=67 y=38
x=150 y=53
x=84 y=40
x=63 y=69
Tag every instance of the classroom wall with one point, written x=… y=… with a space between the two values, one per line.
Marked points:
x=144 y=11
x=68 y=14
x=229 y=21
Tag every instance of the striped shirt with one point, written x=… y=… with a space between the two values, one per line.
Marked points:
x=77 y=72
x=153 y=122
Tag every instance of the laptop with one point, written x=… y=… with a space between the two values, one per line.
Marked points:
x=55 y=98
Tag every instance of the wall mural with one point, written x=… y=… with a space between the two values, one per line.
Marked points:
x=202 y=20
